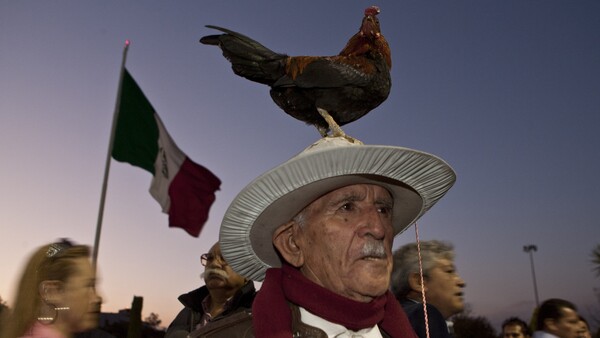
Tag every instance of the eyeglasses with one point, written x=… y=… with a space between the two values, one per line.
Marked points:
x=208 y=258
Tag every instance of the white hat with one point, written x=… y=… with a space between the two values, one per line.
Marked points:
x=416 y=181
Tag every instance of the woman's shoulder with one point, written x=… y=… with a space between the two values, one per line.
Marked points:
x=39 y=330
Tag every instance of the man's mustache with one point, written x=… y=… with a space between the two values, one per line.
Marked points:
x=218 y=272
x=373 y=249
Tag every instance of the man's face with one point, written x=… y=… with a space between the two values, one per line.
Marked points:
x=346 y=241
x=513 y=331
x=218 y=274
x=566 y=326
x=443 y=288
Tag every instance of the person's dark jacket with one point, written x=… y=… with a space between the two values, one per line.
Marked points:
x=239 y=325
x=190 y=316
x=437 y=324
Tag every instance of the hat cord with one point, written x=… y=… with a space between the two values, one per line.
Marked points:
x=422 y=281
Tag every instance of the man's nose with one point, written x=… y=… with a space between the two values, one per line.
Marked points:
x=218 y=261
x=461 y=282
x=374 y=224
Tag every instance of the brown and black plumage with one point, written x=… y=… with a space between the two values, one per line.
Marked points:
x=325 y=91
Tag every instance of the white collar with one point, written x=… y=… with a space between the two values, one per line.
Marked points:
x=336 y=330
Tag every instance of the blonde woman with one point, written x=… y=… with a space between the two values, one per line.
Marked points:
x=57 y=294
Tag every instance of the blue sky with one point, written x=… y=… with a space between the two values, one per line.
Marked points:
x=505 y=91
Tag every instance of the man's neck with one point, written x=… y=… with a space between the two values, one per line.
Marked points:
x=418 y=298
x=218 y=299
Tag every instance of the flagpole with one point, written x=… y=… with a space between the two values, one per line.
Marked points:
x=108 y=158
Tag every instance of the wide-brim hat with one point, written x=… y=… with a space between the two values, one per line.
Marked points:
x=416 y=181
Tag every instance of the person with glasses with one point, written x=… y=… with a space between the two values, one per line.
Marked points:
x=225 y=294
x=56 y=295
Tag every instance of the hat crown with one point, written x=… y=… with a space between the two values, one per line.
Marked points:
x=330 y=142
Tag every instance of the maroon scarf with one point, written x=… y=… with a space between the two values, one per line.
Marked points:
x=272 y=316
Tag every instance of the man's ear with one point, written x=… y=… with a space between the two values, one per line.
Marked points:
x=284 y=239
x=414 y=280
x=51 y=291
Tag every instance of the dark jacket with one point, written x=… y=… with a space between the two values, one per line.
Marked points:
x=239 y=325
x=437 y=324
x=190 y=316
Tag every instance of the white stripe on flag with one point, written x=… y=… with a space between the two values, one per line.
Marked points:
x=166 y=166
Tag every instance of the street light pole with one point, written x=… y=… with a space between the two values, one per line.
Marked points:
x=530 y=248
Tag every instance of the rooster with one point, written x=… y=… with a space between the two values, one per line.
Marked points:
x=324 y=91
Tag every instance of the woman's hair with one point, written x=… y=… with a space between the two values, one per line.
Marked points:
x=54 y=261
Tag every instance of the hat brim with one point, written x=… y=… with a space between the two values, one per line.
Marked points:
x=416 y=181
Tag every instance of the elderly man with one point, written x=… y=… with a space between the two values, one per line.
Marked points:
x=441 y=283
x=515 y=327
x=557 y=318
x=225 y=294
x=320 y=227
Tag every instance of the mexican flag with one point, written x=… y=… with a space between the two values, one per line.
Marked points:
x=184 y=189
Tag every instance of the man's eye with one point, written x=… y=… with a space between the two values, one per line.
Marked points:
x=385 y=210
x=347 y=207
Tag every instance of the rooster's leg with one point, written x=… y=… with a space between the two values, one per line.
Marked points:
x=336 y=131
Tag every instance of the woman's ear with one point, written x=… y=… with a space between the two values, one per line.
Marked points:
x=284 y=239
x=414 y=280
x=51 y=291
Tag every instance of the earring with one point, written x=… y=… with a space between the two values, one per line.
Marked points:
x=45 y=317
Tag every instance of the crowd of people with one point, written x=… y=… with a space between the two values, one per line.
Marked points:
x=318 y=232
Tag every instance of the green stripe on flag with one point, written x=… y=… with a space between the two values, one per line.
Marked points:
x=136 y=135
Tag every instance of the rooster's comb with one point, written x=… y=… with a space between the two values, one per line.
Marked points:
x=371 y=11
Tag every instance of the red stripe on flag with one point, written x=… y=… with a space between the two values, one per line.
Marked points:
x=192 y=192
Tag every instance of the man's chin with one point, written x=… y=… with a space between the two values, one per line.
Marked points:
x=369 y=290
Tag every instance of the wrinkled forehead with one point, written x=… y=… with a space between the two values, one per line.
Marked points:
x=215 y=250
x=444 y=262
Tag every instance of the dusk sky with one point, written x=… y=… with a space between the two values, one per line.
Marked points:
x=507 y=92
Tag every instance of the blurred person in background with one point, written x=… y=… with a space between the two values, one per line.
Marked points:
x=557 y=318
x=514 y=327
x=442 y=285
x=56 y=294
x=584 y=328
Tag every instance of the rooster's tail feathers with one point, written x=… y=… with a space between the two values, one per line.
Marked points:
x=248 y=58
